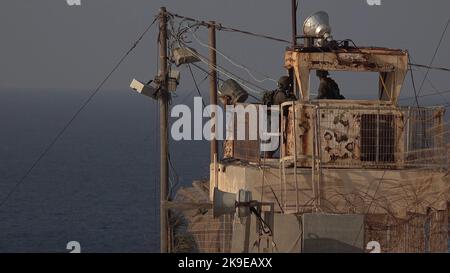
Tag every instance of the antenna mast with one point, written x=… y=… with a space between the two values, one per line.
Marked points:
x=294 y=22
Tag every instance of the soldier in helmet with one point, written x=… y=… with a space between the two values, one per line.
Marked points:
x=271 y=98
x=328 y=88
x=282 y=94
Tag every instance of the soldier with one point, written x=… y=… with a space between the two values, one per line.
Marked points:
x=281 y=94
x=328 y=88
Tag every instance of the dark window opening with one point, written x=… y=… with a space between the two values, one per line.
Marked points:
x=377 y=138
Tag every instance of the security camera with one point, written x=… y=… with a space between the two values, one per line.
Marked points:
x=144 y=89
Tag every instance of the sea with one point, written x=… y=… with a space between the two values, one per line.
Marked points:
x=99 y=183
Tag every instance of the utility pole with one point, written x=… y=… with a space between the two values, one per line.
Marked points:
x=163 y=137
x=213 y=86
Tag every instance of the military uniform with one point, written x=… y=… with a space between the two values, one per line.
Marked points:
x=277 y=97
x=328 y=88
x=281 y=95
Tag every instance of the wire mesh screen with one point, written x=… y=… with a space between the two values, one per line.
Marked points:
x=247 y=149
x=380 y=137
x=425 y=138
x=377 y=138
x=195 y=229
x=359 y=137
x=417 y=234
x=421 y=125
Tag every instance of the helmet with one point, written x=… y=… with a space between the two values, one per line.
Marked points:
x=284 y=82
x=322 y=73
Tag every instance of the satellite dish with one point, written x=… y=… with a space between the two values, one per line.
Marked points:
x=223 y=203
x=318 y=26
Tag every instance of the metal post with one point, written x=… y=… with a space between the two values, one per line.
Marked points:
x=297 y=191
x=163 y=108
x=294 y=22
x=213 y=85
x=294 y=86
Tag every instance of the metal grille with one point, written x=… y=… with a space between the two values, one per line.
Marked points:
x=212 y=235
x=246 y=150
x=377 y=138
x=425 y=138
x=420 y=131
x=356 y=137
x=195 y=229
x=380 y=137
x=416 y=234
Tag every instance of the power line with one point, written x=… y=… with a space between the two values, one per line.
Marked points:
x=220 y=27
x=218 y=78
x=413 y=83
x=431 y=67
x=83 y=106
x=434 y=55
x=177 y=37
x=225 y=72
x=267 y=78
x=426 y=95
x=196 y=85
x=437 y=92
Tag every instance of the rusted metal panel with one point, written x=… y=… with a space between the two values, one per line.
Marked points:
x=248 y=149
x=393 y=64
x=228 y=149
x=367 y=136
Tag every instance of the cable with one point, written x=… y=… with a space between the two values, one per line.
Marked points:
x=206 y=72
x=223 y=28
x=267 y=78
x=413 y=83
x=227 y=73
x=434 y=55
x=220 y=79
x=265 y=227
x=426 y=95
x=196 y=85
x=431 y=67
x=83 y=106
x=429 y=81
x=372 y=201
x=216 y=67
x=175 y=177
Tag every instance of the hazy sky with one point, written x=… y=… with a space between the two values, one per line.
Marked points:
x=48 y=44
x=98 y=184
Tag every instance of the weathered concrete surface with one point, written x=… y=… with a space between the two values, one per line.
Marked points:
x=331 y=233
x=396 y=192
x=286 y=239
